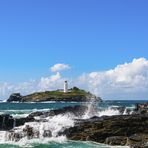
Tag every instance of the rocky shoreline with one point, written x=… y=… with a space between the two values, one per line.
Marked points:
x=126 y=130
x=131 y=130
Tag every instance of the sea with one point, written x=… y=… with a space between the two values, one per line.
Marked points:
x=60 y=122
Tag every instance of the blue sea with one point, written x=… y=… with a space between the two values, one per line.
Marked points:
x=58 y=122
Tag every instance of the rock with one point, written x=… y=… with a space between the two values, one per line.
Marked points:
x=7 y=122
x=18 y=133
x=98 y=130
x=140 y=145
x=15 y=136
x=116 y=140
x=75 y=110
x=138 y=140
x=142 y=108
x=22 y=121
x=29 y=131
x=38 y=113
x=15 y=97
x=47 y=133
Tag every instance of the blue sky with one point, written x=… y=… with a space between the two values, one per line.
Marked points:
x=89 y=35
x=91 y=38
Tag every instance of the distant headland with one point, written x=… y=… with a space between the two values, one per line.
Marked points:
x=73 y=94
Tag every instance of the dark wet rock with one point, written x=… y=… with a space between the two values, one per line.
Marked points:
x=99 y=130
x=75 y=110
x=116 y=140
x=15 y=136
x=28 y=130
x=47 y=133
x=7 y=122
x=15 y=97
x=138 y=140
x=22 y=121
x=142 y=108
x=139 y=145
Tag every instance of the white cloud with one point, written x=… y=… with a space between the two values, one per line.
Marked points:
x=52 y=82
x=125 y=81
x=44 y=83
x=59 y=67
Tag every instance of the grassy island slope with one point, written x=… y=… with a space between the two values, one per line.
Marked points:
x=74 y=94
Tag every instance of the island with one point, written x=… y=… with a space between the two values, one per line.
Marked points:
x=74 y=94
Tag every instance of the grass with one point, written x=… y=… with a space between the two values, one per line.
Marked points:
x=72 y=92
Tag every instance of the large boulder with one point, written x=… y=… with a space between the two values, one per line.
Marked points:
x=15 y=97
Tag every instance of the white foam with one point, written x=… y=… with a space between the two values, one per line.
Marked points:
x=108 y=112
x=3 y=135
x=54 y=124
x=93 y=111
x=20 y=115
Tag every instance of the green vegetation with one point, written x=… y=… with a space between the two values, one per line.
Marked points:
x=74 y=94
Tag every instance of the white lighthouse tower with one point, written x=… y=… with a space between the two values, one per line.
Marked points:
x=65 y=87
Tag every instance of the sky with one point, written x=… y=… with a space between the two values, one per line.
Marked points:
x=85 y=38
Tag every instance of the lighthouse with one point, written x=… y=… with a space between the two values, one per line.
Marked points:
x=65 y=87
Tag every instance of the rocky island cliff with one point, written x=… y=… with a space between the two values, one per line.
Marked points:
x=73 y=94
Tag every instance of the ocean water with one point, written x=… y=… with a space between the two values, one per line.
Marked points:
x=57 y=123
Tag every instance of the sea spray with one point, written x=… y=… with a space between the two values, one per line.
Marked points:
x=44 y=130
x=92 y=109
x=108 y=112
x=3 y=136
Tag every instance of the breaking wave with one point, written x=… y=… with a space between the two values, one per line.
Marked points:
x=45 y=130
